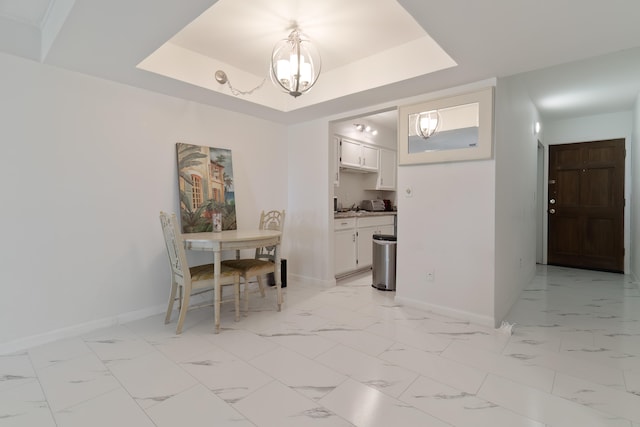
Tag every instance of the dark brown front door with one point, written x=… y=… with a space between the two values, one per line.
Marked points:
x=586 y=205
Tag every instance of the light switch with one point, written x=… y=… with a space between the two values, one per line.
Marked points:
x=408 y=192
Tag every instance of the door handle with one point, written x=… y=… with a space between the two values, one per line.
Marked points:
x=552 y=211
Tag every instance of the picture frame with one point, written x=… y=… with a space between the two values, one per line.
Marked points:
x=206 y=188
x=453 y=129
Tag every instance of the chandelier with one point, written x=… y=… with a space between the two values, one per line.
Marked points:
x=295 y=64
x=427 y=123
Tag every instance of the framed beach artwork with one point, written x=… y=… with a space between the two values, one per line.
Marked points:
x=205 y=184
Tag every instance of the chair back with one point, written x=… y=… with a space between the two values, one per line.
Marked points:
x=271 y=220
x=175 y=248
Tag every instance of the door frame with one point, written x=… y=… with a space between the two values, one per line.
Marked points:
x=627 y=195
x=541 y=189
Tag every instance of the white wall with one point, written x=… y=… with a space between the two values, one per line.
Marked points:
x=595 y=128
x=447 y=227
x=516 y=209
x=86 y=167
x=88 y=164
x=311 y=204
x=634 y=228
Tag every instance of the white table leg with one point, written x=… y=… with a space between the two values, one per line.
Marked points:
x=278 y=276
x=216 y=291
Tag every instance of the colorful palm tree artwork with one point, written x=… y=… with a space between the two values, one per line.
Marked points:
x=205 y=185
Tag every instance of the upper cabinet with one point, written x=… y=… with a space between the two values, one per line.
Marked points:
x=358 y=156
x=335 y=164
x=385 y=179
x=387 y=172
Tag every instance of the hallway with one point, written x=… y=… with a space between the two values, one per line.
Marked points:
x=348 y=356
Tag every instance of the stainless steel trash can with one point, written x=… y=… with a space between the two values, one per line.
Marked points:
x=384 y=262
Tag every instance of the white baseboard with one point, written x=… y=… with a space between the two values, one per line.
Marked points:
x=309 y=281
x=22 y=344
x=635 y=279
x=449 y=312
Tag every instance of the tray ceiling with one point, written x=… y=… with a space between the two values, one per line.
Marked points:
x=373 y=51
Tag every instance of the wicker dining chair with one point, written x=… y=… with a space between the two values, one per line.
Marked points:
x=263 y=262
x=189 y=281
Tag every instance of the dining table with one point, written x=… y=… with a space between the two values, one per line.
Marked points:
x=234 y=240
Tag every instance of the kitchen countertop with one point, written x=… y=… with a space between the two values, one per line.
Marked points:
x=361 y=213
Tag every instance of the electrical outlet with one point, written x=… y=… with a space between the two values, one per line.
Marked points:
x=431 y=276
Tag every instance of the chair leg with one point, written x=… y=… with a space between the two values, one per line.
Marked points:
x=183 y=311
x=236 y=292
x=246 y=295
x=261 y=285
x=172 y=297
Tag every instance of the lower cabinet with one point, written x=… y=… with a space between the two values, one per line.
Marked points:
x=353 y=240
x=367 y=227
x=345 y=245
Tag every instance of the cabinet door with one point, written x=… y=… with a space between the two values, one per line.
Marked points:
x=369 y=158
x=345 y=251
x=336 y=161
x=365 y=245
x=387 y=171
x=350 y=153
x=386 y=229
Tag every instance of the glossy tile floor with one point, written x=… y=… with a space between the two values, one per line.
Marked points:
x=348 y=356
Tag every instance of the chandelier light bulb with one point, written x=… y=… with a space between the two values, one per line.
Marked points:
x=427 y=123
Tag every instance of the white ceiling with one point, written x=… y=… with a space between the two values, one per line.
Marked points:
x=360 y=47
x=578 y=56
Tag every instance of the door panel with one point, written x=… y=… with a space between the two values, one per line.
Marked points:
x=568 y=227
x=600 y=231
x=596 y=193
x=586 y=205
x=567 y=189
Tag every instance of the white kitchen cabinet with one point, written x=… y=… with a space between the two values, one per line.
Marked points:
x=369 y=158
x=385 y=179
x=358 y=156
x=336 y=161
x=365 y=246
x=387 y=170
x=367 y=227
x=353 y=240
x=345 y=249
x=350 y=153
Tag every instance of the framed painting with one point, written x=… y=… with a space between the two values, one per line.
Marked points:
x=457 y=128
x=205 y=184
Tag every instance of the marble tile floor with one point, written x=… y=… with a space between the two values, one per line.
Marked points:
x=348 y=356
